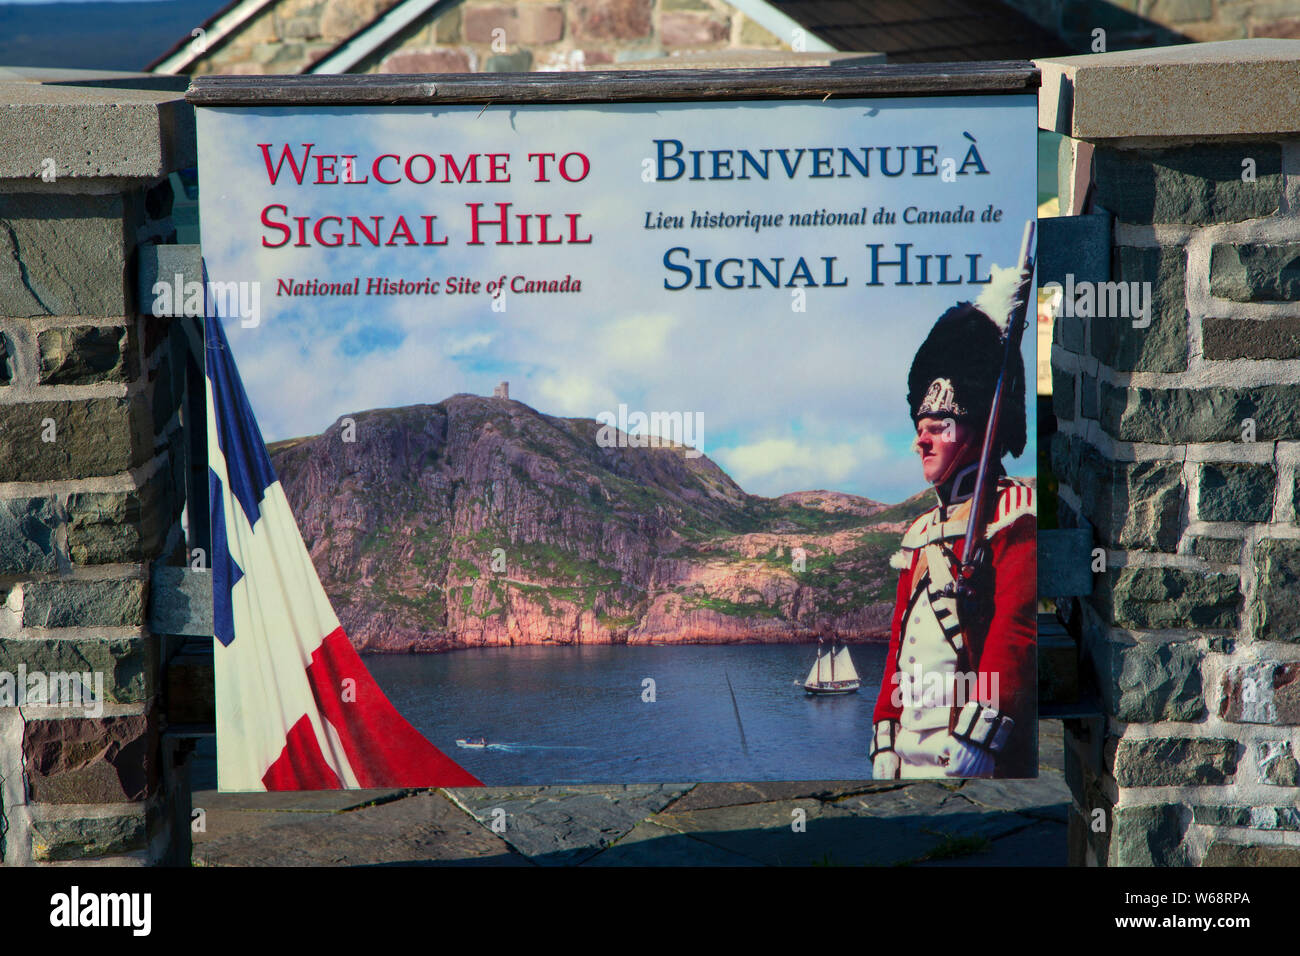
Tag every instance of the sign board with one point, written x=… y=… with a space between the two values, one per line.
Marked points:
x=590 y=399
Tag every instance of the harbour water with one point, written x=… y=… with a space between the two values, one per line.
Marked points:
x=555 y=715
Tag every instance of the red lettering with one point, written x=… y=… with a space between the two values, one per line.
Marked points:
x=404 y=229
x=298 y=171
x=573 y=228
x=321 y=162
x=357 y=226
x=475 y=222
x=432 y=169
x=288 y=233
x=449 y=167
x=495 y=167
x=541 y=166
x=374 y=169
x=338 y=236
x=564 y=165
x=428 y=232
x=350 y=170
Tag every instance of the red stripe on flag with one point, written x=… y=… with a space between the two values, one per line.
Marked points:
x=301 y=764
x=381 y=745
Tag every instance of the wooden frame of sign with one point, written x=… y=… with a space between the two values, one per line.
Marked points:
x=620 y=86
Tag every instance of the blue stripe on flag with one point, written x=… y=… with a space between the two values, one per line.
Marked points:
x=225 y=572
x=248 y=466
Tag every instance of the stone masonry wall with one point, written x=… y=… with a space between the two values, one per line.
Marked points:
x=490 y=36
x=1179 y=445
x=90 y=469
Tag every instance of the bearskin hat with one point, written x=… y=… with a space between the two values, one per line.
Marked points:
x=955 y=374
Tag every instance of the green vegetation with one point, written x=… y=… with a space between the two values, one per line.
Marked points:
x=730 y=608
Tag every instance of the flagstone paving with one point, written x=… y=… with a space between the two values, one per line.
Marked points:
x=819 y=823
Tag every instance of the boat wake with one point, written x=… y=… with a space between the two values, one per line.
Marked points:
x=518 y=748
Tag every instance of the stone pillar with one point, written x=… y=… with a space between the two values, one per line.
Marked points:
x=1178 y=445
x=90 y=469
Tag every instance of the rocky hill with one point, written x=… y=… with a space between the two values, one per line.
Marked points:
x=480 y=521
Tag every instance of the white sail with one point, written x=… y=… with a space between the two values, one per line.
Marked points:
x=826 y=670
x=844 y=666
x=812 y=674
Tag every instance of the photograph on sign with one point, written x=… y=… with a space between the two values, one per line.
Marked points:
x=619 y=443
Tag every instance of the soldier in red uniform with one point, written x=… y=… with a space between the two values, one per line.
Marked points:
x=959 y=693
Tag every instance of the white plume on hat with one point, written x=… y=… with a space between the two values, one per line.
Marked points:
x=999 y=295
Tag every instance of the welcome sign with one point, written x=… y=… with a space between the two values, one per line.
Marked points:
x=618 y=441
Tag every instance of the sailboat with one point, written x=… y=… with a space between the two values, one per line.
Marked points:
x=832 y=673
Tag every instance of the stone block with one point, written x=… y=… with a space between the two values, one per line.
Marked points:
x=1172 y=416
x=1276 y=613
x=479 y=23
x=83 y=355
x=1149 y=835
x=1255 y=272
x=1251 y=338
x=141 y=133
x=115 y=527
x=90 y=760
x=301 y=28
x=63 y=255
x=1170 y=598
x=1256 y=818
x=1137 y=505
x=689 y=29
x=1163 y=345
x=612 y=19
x=1063 y=396
x=1175 y=762
x=27 y=536
x=69 y=603
x=540 y=23
x=1066 y=452
x=426 y=61
x=1263 y=692
x=1068 y=333
x=1153 y=682
x=1236 y=492
x=126 y=663
x=90 y=437
x=1088 y=404
x=86 y=838
x=339 y=19
x=448 y=27
x=1198 y=184
x=1242 y=855
x=520 y=62
x=1218 y=550
x=1277 y=764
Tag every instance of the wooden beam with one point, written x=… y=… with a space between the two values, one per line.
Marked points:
x=610 y=86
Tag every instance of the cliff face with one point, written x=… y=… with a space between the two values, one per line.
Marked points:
x=480 y=522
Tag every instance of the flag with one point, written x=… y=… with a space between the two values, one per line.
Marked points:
x=296 y=707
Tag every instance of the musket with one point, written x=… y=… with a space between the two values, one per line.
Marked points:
x=972 y=554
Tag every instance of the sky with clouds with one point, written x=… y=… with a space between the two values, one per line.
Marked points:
x=790 y=400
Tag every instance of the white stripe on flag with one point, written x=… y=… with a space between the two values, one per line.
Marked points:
x=281 y=615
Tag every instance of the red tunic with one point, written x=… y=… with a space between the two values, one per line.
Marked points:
x=1007 y=649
